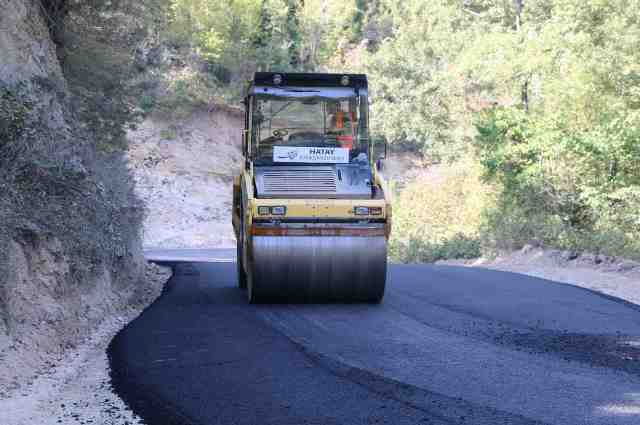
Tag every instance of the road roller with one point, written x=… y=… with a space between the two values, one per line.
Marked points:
x=311 y=208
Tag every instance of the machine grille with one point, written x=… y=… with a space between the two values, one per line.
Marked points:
x=313 y=179
x=298 y=181
x=342 y=181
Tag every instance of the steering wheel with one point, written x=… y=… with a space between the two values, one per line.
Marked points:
x=280 y=133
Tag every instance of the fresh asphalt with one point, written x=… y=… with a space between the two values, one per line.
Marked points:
x=448 y=345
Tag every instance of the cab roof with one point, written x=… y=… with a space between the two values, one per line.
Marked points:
x=289 y=79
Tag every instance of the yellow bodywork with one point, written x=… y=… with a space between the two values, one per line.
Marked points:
x=319 y=208
x=318 y=249
x=340 y=209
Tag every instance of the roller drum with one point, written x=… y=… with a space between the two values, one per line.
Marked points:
x=312 y=269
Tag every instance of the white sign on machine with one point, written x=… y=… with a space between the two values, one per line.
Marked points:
x=315 y=155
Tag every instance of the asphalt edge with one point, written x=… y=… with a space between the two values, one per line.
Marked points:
x=150 y=407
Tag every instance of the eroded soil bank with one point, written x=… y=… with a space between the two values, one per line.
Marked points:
x=75 y=387
x=184 y=173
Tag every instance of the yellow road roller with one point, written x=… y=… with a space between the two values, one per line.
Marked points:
x=311 y=209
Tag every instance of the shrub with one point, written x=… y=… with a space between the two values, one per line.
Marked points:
x=12 y=115
x=185 y=89
x=147 y=103
x=425 y=251
x=561 y=186
x=439 y=214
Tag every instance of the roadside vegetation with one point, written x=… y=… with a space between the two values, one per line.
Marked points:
x=63 y=122
x=439 y=215
x=528 y=111
x=543 y=96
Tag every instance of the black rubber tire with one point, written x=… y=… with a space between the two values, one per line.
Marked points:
x=242 y=275
x=252 y=295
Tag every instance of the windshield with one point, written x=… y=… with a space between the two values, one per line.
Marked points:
x=309 y=130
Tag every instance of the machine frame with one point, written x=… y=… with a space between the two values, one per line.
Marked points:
x=307 y=217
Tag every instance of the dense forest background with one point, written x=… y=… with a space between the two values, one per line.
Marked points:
x=529 y=110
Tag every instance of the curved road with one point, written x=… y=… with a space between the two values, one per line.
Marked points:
x=448 y=345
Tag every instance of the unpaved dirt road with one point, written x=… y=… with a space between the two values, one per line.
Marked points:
x=448 y=345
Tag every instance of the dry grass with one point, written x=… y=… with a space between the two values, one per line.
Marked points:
x=439 y=214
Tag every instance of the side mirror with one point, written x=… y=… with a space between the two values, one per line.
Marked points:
x=245 y=141
x=258 y=117
x=379 y=148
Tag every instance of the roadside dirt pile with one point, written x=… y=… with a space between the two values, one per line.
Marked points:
x=609 y=275
x=70 y=251
x=183 y=173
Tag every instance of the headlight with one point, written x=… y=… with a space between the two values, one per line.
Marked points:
x=367 y=211
x=278 y=210
x=267 y=210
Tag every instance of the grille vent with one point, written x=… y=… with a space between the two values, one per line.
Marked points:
x=299 y=180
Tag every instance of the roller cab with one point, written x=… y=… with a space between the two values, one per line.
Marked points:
x=311 y=211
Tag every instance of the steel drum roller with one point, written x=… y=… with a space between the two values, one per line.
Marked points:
x=318 y=268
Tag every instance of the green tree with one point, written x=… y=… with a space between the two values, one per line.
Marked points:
x=293 y=32
x=416 y=88
x=576 y=154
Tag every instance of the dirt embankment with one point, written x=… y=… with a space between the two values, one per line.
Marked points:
x=74 y=386
x=184 y=172
x=70 y=252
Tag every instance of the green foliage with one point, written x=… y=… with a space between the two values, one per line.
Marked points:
x=169 y=133
x=553 y=89
x=419 y=250
x=413 y=85
x=13 y=113
x=569 y=169
x=439 y=215
x=244 y=36
x=560 y=186
x=186 y=91
x=147 y=103
x=220 y=32
x=540 y=98
x=97 y=61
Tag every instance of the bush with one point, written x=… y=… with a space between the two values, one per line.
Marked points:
x=147 y=103
x=185 y=90
x=439 y=214
x=62 y=171
x=424 y=251
x=562 y=187
x=13 y=113
x=64 y=188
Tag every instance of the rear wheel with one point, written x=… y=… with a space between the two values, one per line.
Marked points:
x=252 y=294
x=255 y=287
x=242 y=275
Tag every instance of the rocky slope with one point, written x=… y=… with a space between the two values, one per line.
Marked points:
x=78 y=389
x=70 y=251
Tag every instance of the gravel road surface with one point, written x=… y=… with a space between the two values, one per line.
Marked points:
x=448 y=345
